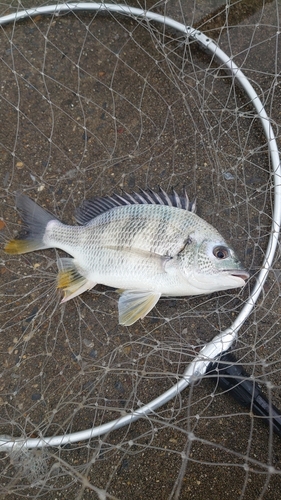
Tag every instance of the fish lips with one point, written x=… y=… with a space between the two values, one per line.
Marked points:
x=239 y=273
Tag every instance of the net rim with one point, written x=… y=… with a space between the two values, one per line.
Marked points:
x=223 y=341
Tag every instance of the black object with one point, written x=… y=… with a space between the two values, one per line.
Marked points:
x=232 y=377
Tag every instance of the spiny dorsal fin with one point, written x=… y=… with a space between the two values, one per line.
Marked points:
x=96 y=206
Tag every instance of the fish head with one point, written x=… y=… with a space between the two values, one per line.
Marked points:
x=215 y=266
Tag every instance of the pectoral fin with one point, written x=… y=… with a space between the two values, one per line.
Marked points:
x=135 y=304
x=71 y=280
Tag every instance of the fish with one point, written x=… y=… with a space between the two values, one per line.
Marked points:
x=145 y=244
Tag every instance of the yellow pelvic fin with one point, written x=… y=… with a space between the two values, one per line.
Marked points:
x=136 y=304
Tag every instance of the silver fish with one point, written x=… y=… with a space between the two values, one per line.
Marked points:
x=145 y=244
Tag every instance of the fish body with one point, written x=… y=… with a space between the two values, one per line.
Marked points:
x=146 y=245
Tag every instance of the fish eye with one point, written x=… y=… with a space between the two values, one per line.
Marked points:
x=221 y=252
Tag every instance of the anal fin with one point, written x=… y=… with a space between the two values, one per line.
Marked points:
x=136 y=304
x=70 y=279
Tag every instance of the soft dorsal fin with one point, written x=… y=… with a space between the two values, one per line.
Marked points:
x=96 y=206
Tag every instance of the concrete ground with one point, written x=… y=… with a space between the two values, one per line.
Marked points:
x=85 y=111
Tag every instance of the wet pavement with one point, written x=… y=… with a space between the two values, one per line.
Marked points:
x=94 y=104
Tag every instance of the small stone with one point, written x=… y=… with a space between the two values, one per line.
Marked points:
x=228 y=176
x=36 y=396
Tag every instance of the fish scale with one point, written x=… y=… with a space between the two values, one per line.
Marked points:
x=145 y=244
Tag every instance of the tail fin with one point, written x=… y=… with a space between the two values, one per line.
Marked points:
x=35 y=220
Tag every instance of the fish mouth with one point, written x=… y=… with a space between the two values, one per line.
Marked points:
x=239 y=273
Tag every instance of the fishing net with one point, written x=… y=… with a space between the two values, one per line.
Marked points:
x=96 y=99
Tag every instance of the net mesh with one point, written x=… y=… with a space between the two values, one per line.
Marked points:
x=91 y=104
